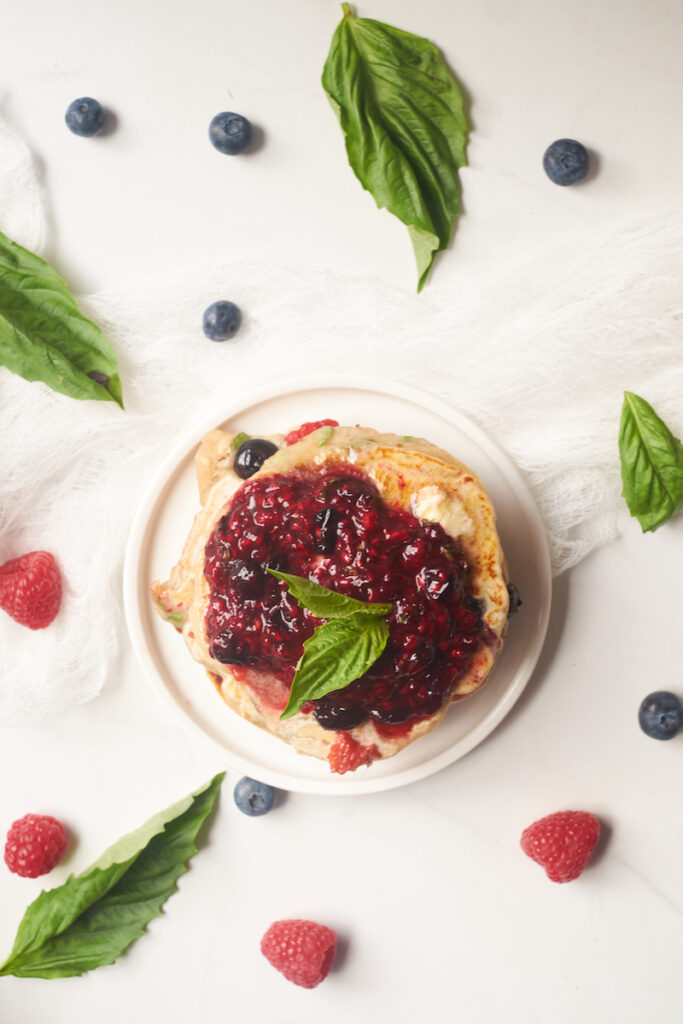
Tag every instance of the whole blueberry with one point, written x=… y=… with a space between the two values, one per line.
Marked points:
x=515 y=600
x=660 y=715
x=230 y=133
x=251 y=455
x=254 y=798
x=221 y=320
x=565 y=161
x=85 y=117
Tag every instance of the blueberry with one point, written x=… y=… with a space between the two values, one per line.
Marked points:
x=230 y=133
x=254 y=798
x=227 y=649
x=245 y=579
x=338 y=713
x=565 y=161
x=391 y=712
x=85 y=117
x=515 y=600
x=221 y=321
x=661 y=715
x=251 y=455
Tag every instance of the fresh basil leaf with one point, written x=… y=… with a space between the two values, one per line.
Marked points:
x=401 y=113
x=93 y=917
x=238 y=440
x=324 y=603
x=651 y=464
x=43 y=334
x=338 y=652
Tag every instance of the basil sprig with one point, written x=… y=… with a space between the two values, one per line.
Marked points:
x=651 y=464
x=92 y=918
x=43 y=334
x=402 y=116
x=341 y=649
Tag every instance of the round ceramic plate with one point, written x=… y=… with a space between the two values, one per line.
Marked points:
x=163 y=522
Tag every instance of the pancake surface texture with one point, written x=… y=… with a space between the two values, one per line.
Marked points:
x=378 y=517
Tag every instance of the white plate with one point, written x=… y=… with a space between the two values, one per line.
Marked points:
x=163 y=521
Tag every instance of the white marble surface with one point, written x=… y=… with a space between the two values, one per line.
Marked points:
x=441 y=915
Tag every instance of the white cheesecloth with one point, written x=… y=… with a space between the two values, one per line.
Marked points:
x=538 y=357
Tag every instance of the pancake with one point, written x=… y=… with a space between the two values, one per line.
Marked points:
x=375 y=516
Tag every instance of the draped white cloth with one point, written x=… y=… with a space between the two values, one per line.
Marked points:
x=538 y=356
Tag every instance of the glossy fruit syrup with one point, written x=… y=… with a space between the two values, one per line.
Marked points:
x=332 y=526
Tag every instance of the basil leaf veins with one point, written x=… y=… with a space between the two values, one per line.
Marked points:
x=324 y=603
x=341 y=649
x=338 y=652
x=402 y=116
x=92 y=918
x=651 y=464
x=43 y=334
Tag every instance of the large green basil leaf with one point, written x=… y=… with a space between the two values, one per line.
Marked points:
x=401 y=112
x=338 y=652
x=43 y=334
x=324 y=603
x=651 y=464
x=92 y=918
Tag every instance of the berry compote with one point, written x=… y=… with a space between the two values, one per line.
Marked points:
x=307 y=428
x=331 y=526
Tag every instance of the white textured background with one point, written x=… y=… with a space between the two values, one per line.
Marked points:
x=445 y=919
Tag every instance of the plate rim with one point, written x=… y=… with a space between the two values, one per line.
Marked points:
x=225 y=409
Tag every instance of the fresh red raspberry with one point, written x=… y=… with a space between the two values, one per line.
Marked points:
x=307 y=428
x=346 y=754
x=31 y=589
x=562 y=843
x=301 y=950
x=35 y=845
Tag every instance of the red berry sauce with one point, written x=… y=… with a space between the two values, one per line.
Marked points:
x=307 y=428
x=331 y=526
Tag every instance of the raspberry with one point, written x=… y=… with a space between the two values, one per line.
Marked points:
x=35 y=845
x=346 y=754
x=562 y=843
x=301 y=950
x=31 y=589
x=307 y=428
